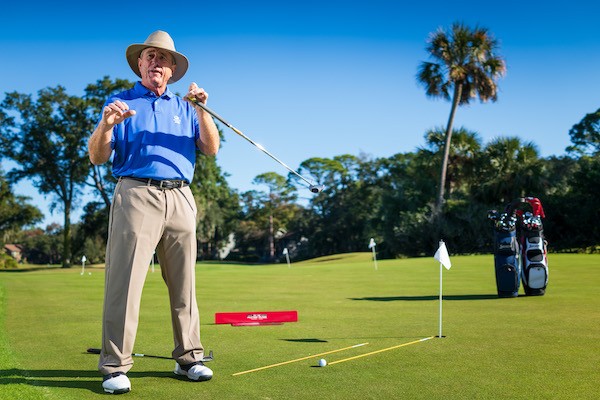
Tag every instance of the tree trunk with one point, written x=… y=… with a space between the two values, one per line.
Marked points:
x=271 y=238
x=441 y=190
x=66 y=256
x=97 y=177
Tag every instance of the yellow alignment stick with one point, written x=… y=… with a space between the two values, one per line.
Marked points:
x=298 y=359
x=379 y=351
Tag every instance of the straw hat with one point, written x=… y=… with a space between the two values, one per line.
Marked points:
x=159 y=40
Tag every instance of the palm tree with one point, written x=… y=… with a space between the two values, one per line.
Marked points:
x=465 y=66
x=464 y=150
x=509 y=168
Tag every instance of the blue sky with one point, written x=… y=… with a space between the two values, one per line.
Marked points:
x=318 y=78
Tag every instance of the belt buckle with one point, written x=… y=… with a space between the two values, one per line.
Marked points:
x=168 y=185
x=164 y=185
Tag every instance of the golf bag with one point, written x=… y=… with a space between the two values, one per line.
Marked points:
x=507 y=263
x=533 y=246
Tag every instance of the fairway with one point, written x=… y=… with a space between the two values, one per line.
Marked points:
x=517 y=348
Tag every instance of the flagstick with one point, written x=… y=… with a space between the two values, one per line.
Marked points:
x=83 y=260
x=374 y=257
x=441 y=290
x=442 y=256
x=286 y=253
x=440 y=335
x=372 y=245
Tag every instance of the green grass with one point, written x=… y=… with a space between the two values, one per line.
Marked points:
x=520 y=348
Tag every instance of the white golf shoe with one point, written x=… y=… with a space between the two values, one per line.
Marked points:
x=196 y=372
x=116 y=383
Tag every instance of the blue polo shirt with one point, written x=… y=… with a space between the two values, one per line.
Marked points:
x=159 y=141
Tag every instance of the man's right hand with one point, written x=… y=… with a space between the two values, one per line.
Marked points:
x=116 y=112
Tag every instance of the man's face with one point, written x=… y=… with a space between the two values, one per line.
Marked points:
x=156 y=67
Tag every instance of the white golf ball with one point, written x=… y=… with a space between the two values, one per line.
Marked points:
x=322 y=362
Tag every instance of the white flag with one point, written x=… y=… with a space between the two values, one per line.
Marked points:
x=285 y=251
x=372 y=243
x=442 y=255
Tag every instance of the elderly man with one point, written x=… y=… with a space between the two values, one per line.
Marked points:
x=154 y=136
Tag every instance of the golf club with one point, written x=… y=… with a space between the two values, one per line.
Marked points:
x=311 y=185
x=208 y=358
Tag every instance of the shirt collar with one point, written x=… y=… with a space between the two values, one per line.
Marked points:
x=142 y=90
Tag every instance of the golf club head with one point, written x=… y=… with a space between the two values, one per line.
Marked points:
x=209 y=357
x=316 y=188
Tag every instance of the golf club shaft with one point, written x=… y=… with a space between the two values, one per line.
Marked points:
x=258 y=146
x=97 y=351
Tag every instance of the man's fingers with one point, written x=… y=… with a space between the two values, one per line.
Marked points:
x=121 y=105
x=197 y=93
x=116 y=112
x=118 y=106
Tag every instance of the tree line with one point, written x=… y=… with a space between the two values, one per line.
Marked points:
x=406 y=202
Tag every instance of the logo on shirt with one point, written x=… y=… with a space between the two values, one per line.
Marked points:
x=177 y=120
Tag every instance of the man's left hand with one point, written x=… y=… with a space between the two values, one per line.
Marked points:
x=197 y=93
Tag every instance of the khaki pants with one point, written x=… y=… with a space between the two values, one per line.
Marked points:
x=144 y=218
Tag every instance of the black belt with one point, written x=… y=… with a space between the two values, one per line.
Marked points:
x=164 y=184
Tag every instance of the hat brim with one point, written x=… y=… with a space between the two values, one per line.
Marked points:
x=133 y=53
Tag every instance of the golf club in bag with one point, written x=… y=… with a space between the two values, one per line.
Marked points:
x=534 y=272
x=313 y=187
x=507 y=254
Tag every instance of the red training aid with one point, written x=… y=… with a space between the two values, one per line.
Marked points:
x=254 y=318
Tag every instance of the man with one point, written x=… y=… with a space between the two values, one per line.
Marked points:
x=154 y=136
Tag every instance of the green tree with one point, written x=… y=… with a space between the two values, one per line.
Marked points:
x=218 y=206
x=42 y=246
x=15 y=212
x=585 y=135
x=96 y=95
x=343 y=216
x=407 y=184
x=250 y=233
x=572 y=208
x=465 y=66
x=280 y=195
x=266 y=218
x=92 y=230
x=509 y=168
x=94 y=225
x=48 y=143
x=462 y=158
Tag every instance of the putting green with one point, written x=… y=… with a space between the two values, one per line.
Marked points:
x=516 y=348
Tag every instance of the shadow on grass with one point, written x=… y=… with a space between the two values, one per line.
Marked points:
x=435 y=297
x=72 y=379
x=328 y=259
x=308 y=340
